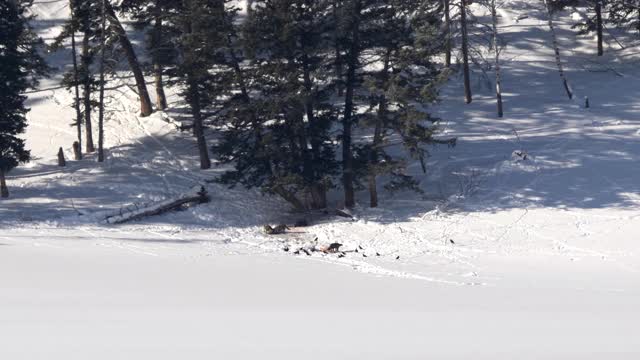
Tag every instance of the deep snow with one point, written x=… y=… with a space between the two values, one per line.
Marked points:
x=501 y=259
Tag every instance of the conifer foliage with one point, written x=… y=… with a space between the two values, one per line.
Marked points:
x=19 y=69
x=284 y=128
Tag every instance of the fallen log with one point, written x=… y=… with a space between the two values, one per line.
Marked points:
x=198 y=195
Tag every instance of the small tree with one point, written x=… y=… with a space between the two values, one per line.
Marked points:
x=21 y=65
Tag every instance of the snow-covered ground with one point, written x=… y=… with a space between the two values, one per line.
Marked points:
x=502 y=258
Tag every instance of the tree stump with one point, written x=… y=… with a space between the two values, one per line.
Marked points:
x=61 y=161
x=77 y=152
x=4 y=191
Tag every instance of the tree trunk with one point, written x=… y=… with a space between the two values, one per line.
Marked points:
x=76 y=81
x=465 y=52
x=496 y=49
x=61 y=160
x=194 y=101
x=599 y=26
x=77 y=150
x=638 y=19
x=197 y=196
x=145 y=102
x=101 y=97
x=352 y=64
x=337 y=51
x=161 y=99
x=318 y=194
x=86 y=80
x=556 y=48
x=4 y=190
x=447 y=24
x=377 y=136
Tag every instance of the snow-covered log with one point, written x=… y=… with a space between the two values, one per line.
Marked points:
x=197 y=195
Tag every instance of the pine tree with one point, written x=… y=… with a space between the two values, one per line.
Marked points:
x=624 y=13
x=21 y=65
x=204 y=27
x=279 y=139
x=402 y=36
x=594 y=23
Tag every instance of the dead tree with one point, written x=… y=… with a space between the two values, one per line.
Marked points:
x=77 y=150
x=465 y=52
x=556 y=48
x=198 y=196
x=86 y=83
x=4 y=190
x=76 y=80
x=103 y=28
x=61 y=161
x=496 y=49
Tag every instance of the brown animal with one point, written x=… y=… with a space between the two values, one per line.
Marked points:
x=278 y=229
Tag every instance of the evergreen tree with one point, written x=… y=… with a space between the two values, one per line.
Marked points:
x=21 y=65
x=625 y=13
x=402 y=38
x=593 y=23
x=203 y=38
x=279 y=139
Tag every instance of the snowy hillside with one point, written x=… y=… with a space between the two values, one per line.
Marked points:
x=503 y=257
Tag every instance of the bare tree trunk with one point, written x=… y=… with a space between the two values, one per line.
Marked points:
x=337 y=50
x=4 y=190
x=86 y=77
x=599 y=26
x=465 y=52
x=205 y=161
x=161 y=98
x=103 y=29
x=638 y=18
x=447 y=24
x=496 y=49
x=556 y=48
x=76 y=82
x=61 y=160
x=352 y=63
x=145 y=101
x=377 y=137
x=193 y=98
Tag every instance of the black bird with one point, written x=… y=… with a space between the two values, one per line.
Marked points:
x=364 y=255
x=360 y=247
x=377 y=254
x=286 y=249
x=451 y=241
x=356 y=250
x=398 y=257
x=297 y=252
